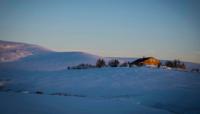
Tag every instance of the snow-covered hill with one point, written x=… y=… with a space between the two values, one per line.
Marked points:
x=12 y=51
x=23 y=56
x=34 y=80
x=51 y=61
x=33 y=57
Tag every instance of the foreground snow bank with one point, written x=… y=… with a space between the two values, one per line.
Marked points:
x=37 y=104
x=106 y=90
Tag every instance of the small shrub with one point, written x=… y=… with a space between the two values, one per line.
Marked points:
x=82 y=66
x=39 y=92
x=113 y=63
x=169 y=64
x=159 y=65
x=195 y=70
x=125 y=64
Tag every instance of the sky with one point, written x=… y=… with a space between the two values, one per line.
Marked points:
x=166 y=29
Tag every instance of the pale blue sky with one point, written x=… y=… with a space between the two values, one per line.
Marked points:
x=167 y=29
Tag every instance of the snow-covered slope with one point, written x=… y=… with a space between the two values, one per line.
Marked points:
x=135 y=90
x=23 y=56
x=12 y=51
x=32 y=57
x=36 y=81
x=51 y=61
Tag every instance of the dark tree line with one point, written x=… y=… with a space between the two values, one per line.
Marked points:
x=175 y=64
x=113 y=63
x=116 y=63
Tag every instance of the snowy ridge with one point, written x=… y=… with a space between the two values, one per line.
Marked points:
x=13 y=51
x=51 y=61
x=33 y=57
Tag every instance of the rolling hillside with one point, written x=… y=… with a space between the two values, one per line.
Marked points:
x=32 y=57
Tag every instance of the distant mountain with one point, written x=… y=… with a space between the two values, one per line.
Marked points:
x=12 y=51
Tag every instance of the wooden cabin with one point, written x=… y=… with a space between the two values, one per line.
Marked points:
x=148 y=61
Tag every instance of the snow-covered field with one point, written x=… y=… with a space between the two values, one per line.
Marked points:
x=106 y=90
x=39 y=83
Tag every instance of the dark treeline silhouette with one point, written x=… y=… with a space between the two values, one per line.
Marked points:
x=195 y=70
x=100 y=63
x=82 y=66
x=113 y=63
x=175 y=64
x=125 y=64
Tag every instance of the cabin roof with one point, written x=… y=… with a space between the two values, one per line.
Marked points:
x=142 y=60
